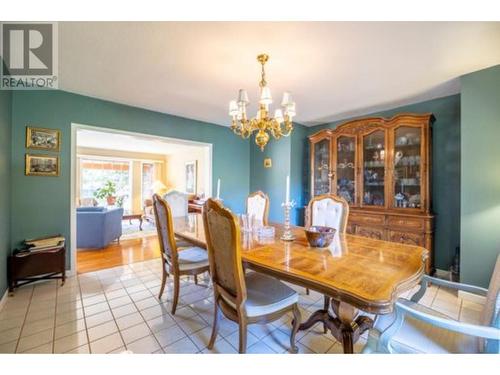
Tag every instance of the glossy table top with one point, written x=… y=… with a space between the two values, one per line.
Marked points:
x=364 y=272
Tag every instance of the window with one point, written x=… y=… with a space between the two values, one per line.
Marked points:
x=148 y=178
x=94 y=173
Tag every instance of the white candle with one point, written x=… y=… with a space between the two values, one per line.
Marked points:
x=287 y=197
x=218 y=188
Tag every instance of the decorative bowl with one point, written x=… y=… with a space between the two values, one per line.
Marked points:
x=319 y=236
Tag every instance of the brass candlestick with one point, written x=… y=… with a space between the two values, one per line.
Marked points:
x=287 y=234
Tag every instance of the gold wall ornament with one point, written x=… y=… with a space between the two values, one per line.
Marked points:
x=280 y=125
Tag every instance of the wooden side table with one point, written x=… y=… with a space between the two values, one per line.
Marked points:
x=45 y=265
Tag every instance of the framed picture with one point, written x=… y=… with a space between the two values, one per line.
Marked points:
x=191 y=174
x=268 y=163
x=42 y=165
x=43 y=139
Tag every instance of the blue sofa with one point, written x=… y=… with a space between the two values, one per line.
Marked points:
x=96 y=227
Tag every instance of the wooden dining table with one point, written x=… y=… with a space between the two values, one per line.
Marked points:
x=359 y=274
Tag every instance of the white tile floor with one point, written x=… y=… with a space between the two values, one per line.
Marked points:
x=117 y=310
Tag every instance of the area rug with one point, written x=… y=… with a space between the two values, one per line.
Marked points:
x=131 y=231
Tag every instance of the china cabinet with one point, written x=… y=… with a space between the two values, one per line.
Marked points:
x=382 y=168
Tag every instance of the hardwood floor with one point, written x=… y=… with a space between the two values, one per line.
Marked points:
x=117 y=254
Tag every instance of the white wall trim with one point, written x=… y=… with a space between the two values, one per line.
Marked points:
x=74 y=128
x=3 y=301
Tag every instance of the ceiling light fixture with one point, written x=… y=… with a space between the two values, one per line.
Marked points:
x=279 y=126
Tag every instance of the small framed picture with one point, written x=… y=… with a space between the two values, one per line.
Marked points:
x=42 y=165
x=191 y=172
x=43 y=139
x=268 y=163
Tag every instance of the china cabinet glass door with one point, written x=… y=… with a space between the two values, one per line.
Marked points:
x=345 y=176
x=407 y=167
x=374 y=153
x=321 y=167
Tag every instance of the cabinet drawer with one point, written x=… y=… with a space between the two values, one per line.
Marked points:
x=375 y=233
x=367 y=219
x=407 y=238
x=405 y=222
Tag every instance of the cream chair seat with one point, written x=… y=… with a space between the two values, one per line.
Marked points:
x=192 y=257
x=266 y=295
x=258 y=206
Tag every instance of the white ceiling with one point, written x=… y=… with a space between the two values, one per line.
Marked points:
x=133 y=143
x=333 y=69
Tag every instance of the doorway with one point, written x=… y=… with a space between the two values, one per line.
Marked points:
x=113 y=177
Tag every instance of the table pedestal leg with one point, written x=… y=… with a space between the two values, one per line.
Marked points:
x=346 y=326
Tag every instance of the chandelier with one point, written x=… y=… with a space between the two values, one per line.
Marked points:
x=279 y=126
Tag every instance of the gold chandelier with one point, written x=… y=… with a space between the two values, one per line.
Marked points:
x=279 y=126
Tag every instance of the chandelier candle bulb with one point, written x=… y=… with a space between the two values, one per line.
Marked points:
x=287 y=196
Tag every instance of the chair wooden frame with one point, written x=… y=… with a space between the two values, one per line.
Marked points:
x=238 y=312
x=342 y=229
x=266 y=209
x=171 y=260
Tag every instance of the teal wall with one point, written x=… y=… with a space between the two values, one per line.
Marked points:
x=5 y=168
x=41 y=205
x=480 y=188
x=288 y=156
x=271 y=181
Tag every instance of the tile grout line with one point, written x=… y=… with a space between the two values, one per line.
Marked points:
x=25 y=317
x=83 y=311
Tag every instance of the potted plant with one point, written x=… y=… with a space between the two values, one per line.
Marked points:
x=107 y=192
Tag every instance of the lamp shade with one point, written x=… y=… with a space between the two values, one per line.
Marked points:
x=287 y=99
x=158 y=187
x=233 y=108
x=290 y=109
x=265 y=96
x=278 y=115
x=243 y=97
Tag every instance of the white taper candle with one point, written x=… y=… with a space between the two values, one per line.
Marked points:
x=218 y=188
x=287 y=197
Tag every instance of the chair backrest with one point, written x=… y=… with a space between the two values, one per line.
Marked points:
x=258 y=206
x=165 y=229
x=178 y=202
x=328 y=210
x=222 y=233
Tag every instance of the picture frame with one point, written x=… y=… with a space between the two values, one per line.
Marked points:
x=268 y=163
x=43 y=139
x=191 y=174
x=42 y=165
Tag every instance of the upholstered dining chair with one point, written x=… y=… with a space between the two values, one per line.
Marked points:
x=178 y=202
x=258 y=206
x=327 y=210
x=177 y=261
x=415 y=328
x=245 y=298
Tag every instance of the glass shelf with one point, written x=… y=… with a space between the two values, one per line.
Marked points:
x=374 y=145
x=407 y=167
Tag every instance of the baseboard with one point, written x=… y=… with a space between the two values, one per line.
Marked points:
x=471 y=297
x=3 y=301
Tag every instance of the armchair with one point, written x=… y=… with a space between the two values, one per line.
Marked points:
x=414 y=328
